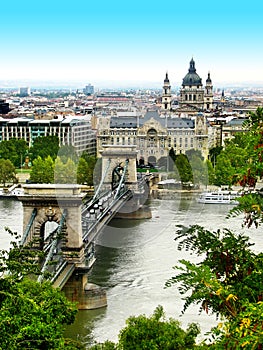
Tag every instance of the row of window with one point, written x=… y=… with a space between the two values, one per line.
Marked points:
x=192 y=97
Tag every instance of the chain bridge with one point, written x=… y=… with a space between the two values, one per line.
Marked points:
x=64 y=223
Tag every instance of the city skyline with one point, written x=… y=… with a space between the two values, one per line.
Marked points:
x=131 y=43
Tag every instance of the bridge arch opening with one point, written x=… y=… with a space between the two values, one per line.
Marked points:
x=48 y=228
x=46 y=231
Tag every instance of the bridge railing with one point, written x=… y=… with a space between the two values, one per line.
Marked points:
x=94 y=214
x=28 y=228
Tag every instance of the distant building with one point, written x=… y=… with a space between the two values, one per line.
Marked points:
x=88 y=90
x=24 y=91
x=4 y=107
x=70 y=131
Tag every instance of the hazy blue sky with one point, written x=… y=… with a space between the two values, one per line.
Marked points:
x=136 y=41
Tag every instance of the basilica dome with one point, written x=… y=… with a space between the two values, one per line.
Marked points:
x=192 y=78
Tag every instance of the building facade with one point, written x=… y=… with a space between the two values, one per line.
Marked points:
x=154 y=135
x=70 y=131
x=193 y=96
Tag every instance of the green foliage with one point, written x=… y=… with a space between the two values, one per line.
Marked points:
x=32 y=315
x=251 y=205
x=65 y=173
x=198 y=167
x=243 y=332
x=86 y=168
x=241 y=160
x=7 y=171
x=193 y=153
x=67 y=152
x=228 y=282
x=183 y=168
x=224 y=172
x=15 y=150
x=42 y=170
x=45 y=146
x=107 y=345
x=213 y=153
x=152 y=333
x=210 y=172
x=229 y=274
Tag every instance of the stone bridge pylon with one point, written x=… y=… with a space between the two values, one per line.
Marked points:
x=52 y=217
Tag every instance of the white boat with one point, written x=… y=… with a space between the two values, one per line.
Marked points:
x=219 y=197
x=6 y=193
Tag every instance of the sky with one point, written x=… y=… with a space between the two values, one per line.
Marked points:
x=130 y=42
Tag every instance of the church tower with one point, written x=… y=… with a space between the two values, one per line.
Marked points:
x=208 y=94
x=192 y=92
x=166 y=96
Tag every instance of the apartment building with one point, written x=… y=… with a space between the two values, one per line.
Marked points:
x=71 y=130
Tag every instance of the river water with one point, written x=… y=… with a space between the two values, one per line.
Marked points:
x=134 y=259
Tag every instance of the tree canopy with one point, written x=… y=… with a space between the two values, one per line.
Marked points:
x=42 y=170
x=15 y=150
x=7 y=171
x=33 y=315
x=45 y=146
x=153 y=332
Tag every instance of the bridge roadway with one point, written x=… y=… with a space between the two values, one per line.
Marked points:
x=96 y=214
x=64 y=254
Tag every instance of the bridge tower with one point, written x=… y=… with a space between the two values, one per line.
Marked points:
x=113 y=156
x=124 y=158
x=47 y=210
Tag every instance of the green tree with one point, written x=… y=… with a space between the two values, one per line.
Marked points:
x=32 y=315
x=224 y=172
x=42 y=170
x=82 y=171
x=7 y=171
x=65 y=172
x=45 y=146
x=183 y=168
x=213 y=153
x=15 y=150
x=227 y=282
x=229 y=268
x=199 y=168
x=243 y=332
x=154 y=332
x=68 y=152
x=86 y=168
x=210 y=172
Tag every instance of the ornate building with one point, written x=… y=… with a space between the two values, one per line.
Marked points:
x=193 y=97
x=154 y=135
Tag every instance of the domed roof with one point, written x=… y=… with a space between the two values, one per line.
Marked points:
x=192 y=78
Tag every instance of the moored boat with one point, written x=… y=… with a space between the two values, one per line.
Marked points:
x=219 y=197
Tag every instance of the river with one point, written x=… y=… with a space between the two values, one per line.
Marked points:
x=134 y=259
